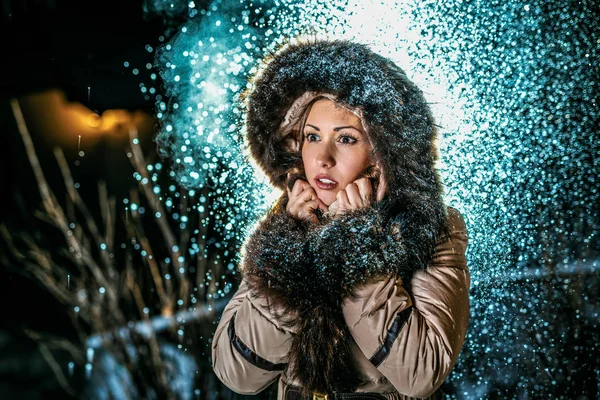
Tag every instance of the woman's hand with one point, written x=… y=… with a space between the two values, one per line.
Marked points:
x=303 y=201
x=358 y=194
x=355 y=195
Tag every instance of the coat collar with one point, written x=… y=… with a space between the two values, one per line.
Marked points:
x=306 y=271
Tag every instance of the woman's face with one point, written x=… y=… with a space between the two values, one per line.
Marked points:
x=335 y=150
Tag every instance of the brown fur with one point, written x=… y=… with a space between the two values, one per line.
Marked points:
x=307 y=270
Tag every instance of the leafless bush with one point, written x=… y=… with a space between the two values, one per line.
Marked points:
x=126 y=298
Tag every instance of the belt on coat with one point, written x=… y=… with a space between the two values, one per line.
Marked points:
x=293 y=393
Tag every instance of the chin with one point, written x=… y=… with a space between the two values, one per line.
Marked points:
x=327 y=197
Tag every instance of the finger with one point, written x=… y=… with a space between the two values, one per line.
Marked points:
x=308 y=195
x=300 y=207
x=353 y=194
x=297 y=189
x=299 y=186
x=333 y=208
x=305 y=185
x=365 y=189
x=307 y=209
x=342 y=199
x=298 y=203
x=381 y=188
x=311 y=206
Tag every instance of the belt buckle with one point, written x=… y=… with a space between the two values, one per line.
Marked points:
x=319 y=396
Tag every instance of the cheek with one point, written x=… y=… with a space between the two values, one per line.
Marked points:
x=355 y=163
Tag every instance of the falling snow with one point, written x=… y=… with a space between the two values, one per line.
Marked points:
x=514 y=89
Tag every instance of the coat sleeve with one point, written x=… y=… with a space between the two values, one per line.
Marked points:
x=415 y=339
x=249 y=348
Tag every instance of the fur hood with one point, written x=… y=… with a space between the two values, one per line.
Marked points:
x=307 y=270
x=399 y=121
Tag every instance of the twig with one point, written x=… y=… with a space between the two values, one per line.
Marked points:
x=164 y=294
x=154 y=348
x=104 y=211
x=110 y=223
x=60 y=376
x=95 y=267
x=139 y=164
x=43 y=274
x=107 y=210
x=201 y=261
x=31 y=155
x=185 y=234
x=183 y=242
x=52 y=342
x=57 y=217
x=80 y=204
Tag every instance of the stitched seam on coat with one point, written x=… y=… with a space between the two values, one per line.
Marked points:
x=385 y=348
x=267 y=316
x=248 y=354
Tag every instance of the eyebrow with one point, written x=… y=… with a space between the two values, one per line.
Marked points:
x=338 y=128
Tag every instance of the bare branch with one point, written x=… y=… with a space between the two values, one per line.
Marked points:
x=139 y=164
x=60 y=376
x=31 y=155
x=53 y=342
x=165 y=294
x=80 y=204
x=154 y=348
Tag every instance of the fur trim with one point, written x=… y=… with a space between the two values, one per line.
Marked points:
x=306 y=269
x=400 y=126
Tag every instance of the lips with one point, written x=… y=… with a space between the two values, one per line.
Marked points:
x=325 y=182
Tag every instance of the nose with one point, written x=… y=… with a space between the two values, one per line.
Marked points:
x=325 y=157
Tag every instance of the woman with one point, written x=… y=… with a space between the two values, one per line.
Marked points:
x=355 y=284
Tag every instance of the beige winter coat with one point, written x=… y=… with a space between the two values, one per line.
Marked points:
x=250 y=346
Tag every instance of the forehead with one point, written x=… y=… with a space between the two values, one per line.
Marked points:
x=325 y=112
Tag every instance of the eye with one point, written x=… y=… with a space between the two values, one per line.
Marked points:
x=311 y=137
x=347 y=139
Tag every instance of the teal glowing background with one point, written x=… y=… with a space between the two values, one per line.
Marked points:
x=514 y=88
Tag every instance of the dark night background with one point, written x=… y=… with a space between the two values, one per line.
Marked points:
x=70 y=46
